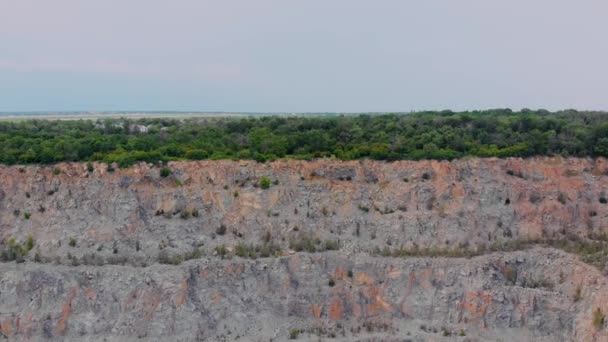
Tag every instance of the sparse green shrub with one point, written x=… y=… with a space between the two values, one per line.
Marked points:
x=72 y=242
x=90 y=167
x=264 y=183
x=184 y=214
x=56 y=171
x=332 y=245
x=26 y=215
x=29 y=243
x=221 y=250
x=241 y=250
x=165 y=172
x=331 y=282
x=14 y=251
x=537 y=282
x=110 y=168
x=235 y=194
x=303 y=242
x=426 y=176
x=598 y=319
x=177 y=259
x=350 y=273
x=293 y=334
x=194 y=213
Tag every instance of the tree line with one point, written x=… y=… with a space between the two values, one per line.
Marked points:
x=441 y=135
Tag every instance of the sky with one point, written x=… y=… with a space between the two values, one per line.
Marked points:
x=302 y=56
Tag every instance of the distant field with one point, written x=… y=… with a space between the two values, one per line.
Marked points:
x=131 y=115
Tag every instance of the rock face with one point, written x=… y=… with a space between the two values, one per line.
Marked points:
x=94 y=272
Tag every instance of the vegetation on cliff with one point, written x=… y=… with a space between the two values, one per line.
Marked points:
x=424 y=135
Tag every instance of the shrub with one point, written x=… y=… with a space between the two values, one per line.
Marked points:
x=511 y=274
x=598 y=318
x=184 y=214
x=110 y=168
x=29 y=243
x=603 y=200
x=241 y=250
x=350 y=273
x=535 y=197
x=72 y=242
x=56 y=171
x=363 y=208
x=26 y=215
x=90 y=167
x=221 y=230
x=332 y=245
x=15 y=251
x=577 y=294
x=426 y=176
x=264 y=183
x=562 y=198
x=267 y=236
x=235 y=194
x=165 y=172
x=194 y=213
x=293 y=334
x=221 y=250
x=331 y=282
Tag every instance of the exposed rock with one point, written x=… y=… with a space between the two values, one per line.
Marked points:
x=132 y=216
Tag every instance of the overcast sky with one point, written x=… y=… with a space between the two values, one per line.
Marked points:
x=302 y=56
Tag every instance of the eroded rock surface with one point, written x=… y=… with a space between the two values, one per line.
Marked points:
x=94 y=272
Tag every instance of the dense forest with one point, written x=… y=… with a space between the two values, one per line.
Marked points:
x=421 y=135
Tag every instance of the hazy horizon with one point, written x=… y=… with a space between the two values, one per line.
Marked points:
x=316 y=56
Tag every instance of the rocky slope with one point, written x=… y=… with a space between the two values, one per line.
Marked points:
x=110 y=249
